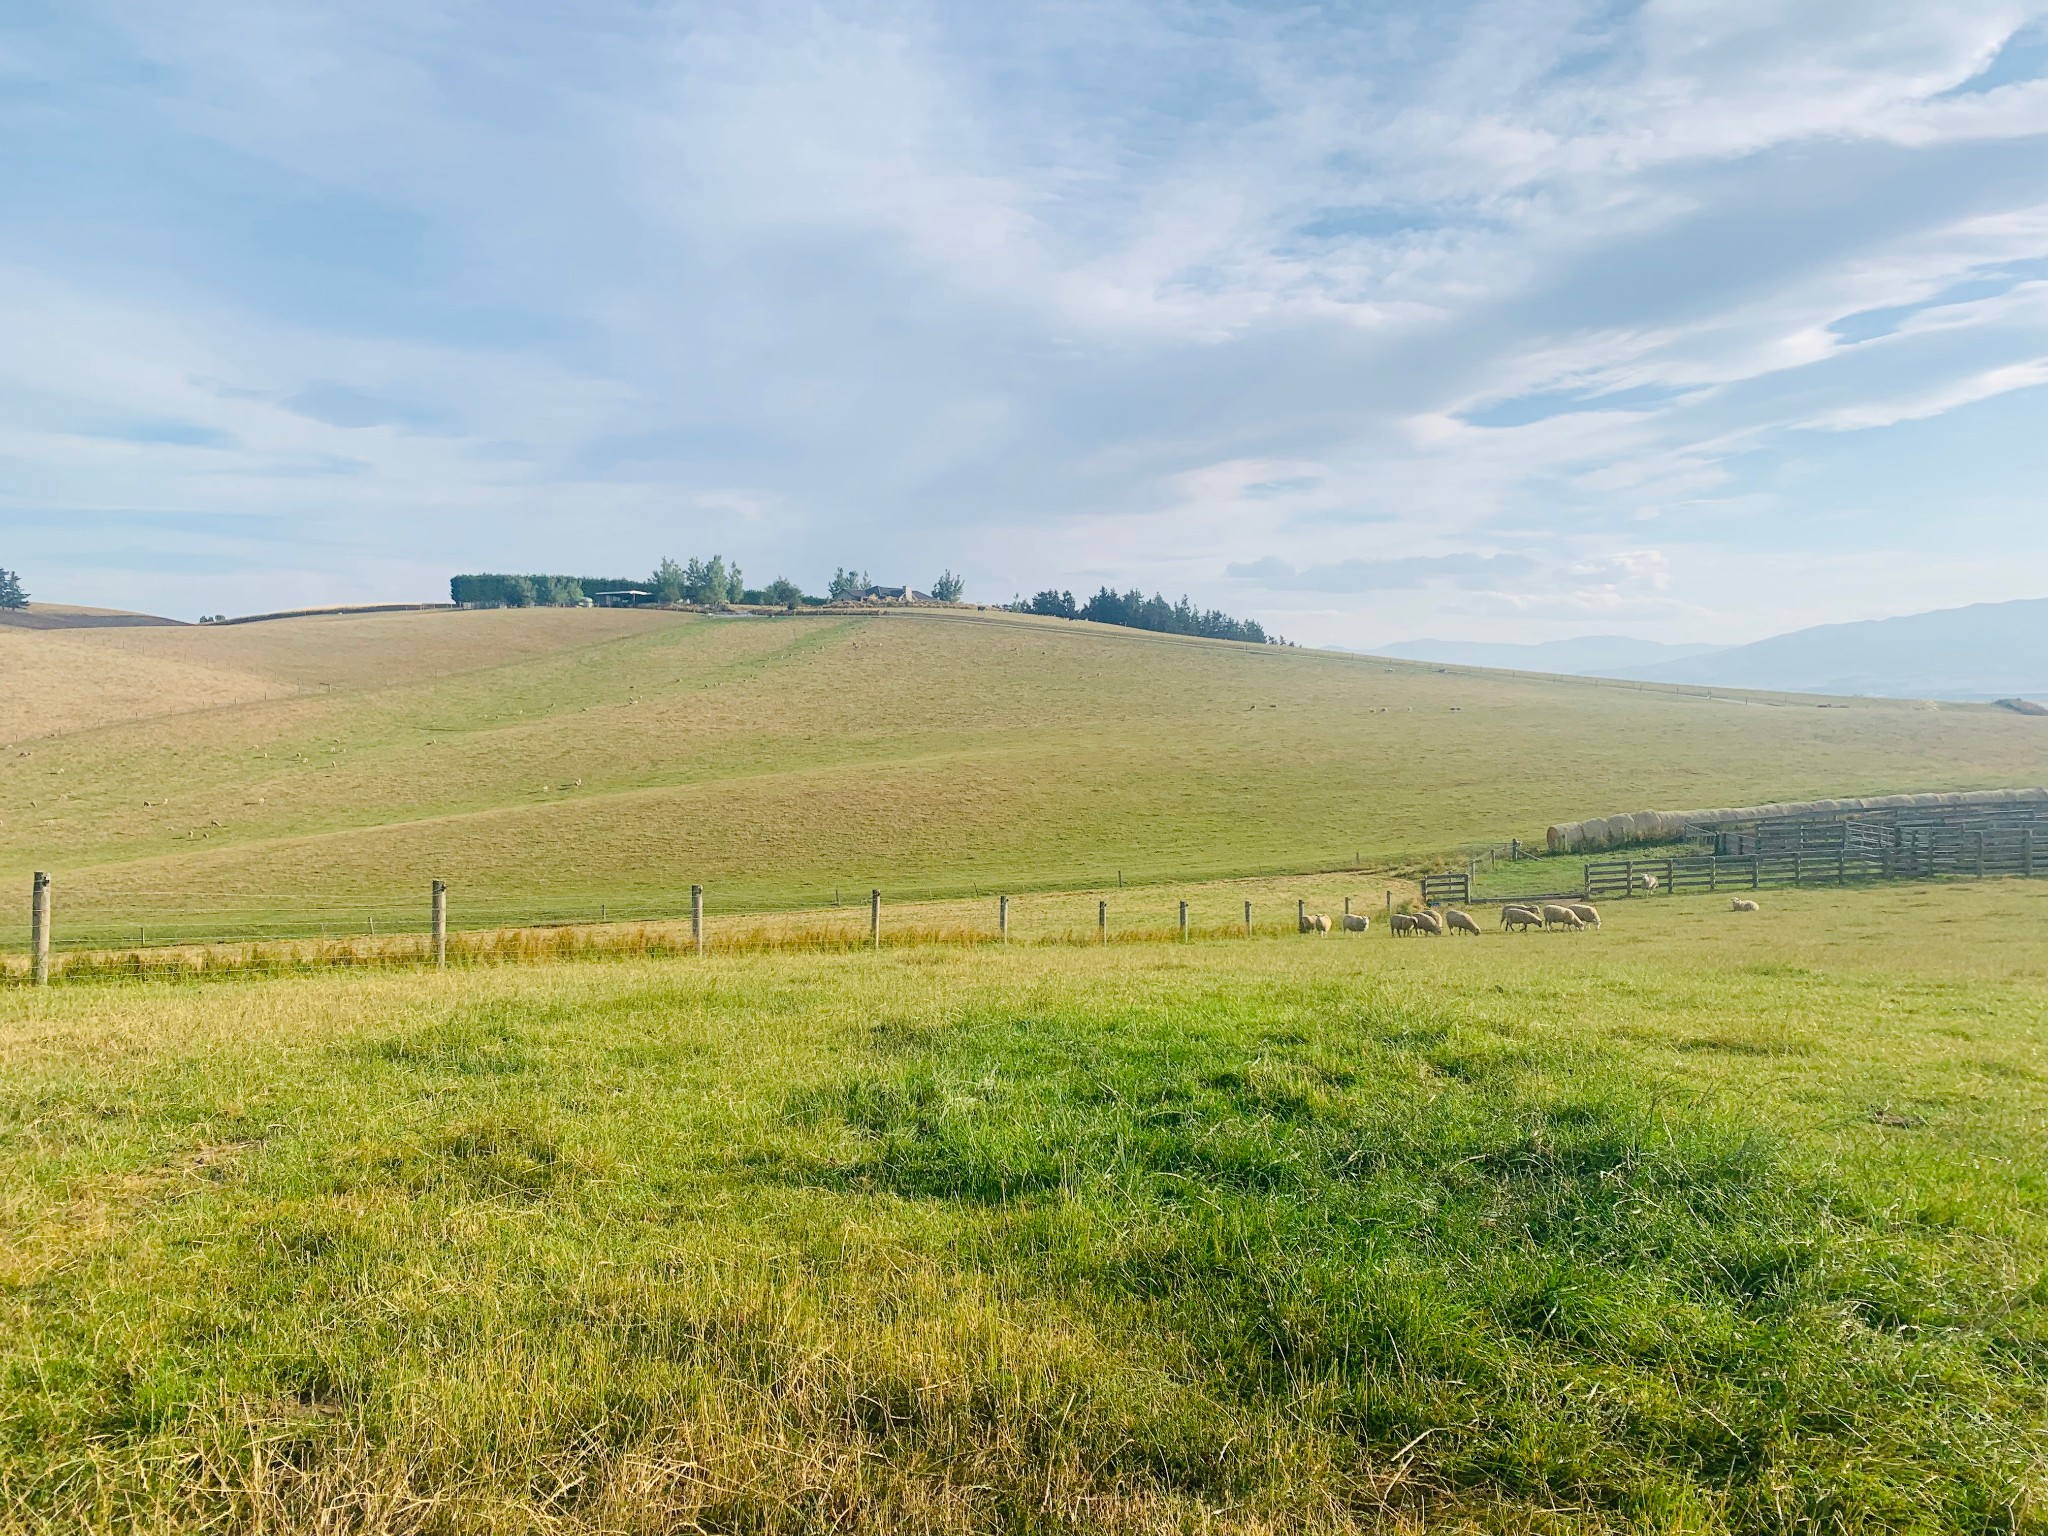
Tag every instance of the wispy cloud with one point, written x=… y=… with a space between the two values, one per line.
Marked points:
x=1401 y=575
x=1277 y=307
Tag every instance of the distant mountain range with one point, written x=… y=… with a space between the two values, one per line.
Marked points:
x=1586 y=656
x=1985 y=651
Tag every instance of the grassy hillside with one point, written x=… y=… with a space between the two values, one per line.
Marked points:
x=1704 y=1223
x=547 y=761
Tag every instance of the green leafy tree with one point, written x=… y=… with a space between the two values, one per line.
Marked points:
x=948 y=587
x=669 y=582
x=11 y=593
x=848 y=585
x=783 y=592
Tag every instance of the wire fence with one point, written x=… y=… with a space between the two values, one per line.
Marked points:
x=244 y=931
x=96 y=913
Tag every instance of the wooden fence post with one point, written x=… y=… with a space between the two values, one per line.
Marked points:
x=1183 y=921
x=1247 y=919
x=1347 y=906
x=1980 y=853
x=875 y=919
x=1003 y=918
x=39 y=929
x=1102 y=922
x=1300 y=914
x=697 y=916
x=440 y=925
x=2027 y=852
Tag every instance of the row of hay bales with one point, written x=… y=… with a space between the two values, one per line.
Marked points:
x=1669 y=826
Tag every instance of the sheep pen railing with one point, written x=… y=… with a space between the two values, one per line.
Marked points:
x=1636 y=828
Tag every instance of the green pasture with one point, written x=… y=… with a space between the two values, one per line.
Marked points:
x=314 y=775
x=1705 y=1223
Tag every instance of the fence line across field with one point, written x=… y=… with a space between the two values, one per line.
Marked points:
x=429 y=931
x=1821 y=854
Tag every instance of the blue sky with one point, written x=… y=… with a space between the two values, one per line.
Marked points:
x=1696 y=320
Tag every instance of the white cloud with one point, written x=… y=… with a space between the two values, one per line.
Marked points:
x=1127 y=292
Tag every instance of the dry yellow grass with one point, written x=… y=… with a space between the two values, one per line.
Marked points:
x=549 y=762
x=60 y=681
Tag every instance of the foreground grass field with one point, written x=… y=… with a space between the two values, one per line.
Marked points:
x=1702 y=1223
x=283 y=776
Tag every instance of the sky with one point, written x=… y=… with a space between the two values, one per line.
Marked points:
x=1695 y=320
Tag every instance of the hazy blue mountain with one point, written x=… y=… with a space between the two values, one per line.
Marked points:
x=1586 y=655
x=1985 y=651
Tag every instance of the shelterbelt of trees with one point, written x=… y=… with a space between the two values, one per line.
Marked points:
x=1134 y=610
x=714 y=583
x=709 y=583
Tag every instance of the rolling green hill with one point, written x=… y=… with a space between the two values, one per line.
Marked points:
x=553 y=760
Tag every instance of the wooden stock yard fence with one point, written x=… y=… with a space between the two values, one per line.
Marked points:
x=1879 y=846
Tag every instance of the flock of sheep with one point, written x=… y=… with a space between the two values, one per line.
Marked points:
x=1576 y=915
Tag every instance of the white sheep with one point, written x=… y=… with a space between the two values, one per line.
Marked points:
x=1743 y=904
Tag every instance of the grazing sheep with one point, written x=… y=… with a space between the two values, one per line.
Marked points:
x=1563 y=917
x=1587 y=913
x=1743 y=904
x=1400 y=923
x=1646 y=883
x=1315 y=922
x=1461 y=922
x=1430 y=923
x=1356 y=922
x=1519 y=917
